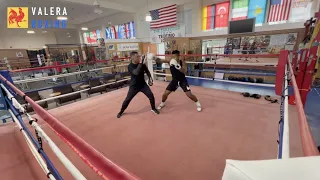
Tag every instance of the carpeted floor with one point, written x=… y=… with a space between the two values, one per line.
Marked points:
x=178 y=144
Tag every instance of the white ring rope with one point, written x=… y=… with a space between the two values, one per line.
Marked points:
x=34 y=151
x=285 y=138
x=62 y=75
x=235 y=82
x=64 y=160
x=15 y=103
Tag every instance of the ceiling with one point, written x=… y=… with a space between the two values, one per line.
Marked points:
x=143 y=3
x=82 y=11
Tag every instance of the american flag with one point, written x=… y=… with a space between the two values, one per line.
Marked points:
x=279 y=10
x=164 y=17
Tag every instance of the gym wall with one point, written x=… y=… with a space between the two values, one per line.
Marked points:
x=19 y=39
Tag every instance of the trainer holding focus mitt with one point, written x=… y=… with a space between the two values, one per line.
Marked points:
x=137 y=68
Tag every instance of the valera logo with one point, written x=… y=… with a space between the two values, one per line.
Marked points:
x=17 y=17
x=45 y=12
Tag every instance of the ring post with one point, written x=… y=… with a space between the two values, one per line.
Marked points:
x=7 y=76
x=308 y=74
x=281 y=72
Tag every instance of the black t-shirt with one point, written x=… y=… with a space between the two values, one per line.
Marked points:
x=137 y=80
x=174 y=69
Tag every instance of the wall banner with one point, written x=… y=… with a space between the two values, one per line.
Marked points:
x=158 y=35
x=128 y=47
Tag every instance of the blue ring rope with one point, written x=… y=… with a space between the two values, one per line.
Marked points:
x=281 y=123
x=50 y=166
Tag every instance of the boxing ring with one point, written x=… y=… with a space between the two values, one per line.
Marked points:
x=180 y=143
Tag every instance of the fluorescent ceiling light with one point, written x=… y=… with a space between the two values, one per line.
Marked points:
x=148 y=18
x=62 y=18
x=30 y=32
x=84 y=29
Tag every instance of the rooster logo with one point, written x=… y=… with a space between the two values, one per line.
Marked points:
x=17 y=17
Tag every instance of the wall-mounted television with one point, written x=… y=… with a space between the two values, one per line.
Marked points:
x=242 y=26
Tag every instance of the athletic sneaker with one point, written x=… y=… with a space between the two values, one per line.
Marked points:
x=199 y=109
x=198 y=106
x=162 y=104
x=155 y=111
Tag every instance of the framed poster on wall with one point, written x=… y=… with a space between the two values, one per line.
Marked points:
x=111 y=47
x=128 y=47
x=158 y=35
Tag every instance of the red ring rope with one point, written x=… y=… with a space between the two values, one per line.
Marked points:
x=183 y=55
x=61 y=66
x=94 y=159
x=227 y=55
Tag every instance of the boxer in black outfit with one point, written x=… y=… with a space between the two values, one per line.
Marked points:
x=137 y=68
x=178 y=80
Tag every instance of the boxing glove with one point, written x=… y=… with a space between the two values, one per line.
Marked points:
x=143 y=59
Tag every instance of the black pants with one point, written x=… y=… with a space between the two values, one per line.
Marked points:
x=133 y=91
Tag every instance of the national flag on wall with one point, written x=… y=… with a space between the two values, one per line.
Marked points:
x=98 y=34
x=301 y=10
x=108 y=33
x=113 y=32
x=124 y=35
x=240 y=9
x=116 y=32
x=279 y=10
x=132 y=30
x=208 y=13
x=91 y=37
x=164 y=17
x=121 y=32
x=94 y=37
x=88 y=37
x=257 y=9
x=85 y=38
x=127 y=30
x=221 y=18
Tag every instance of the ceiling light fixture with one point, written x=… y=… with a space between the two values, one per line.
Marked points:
x=62 y=18
x=96 y=3
x=44 y=31
x=84 y=29
x=97 y=10
x=30 y=32
x=148 y=18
